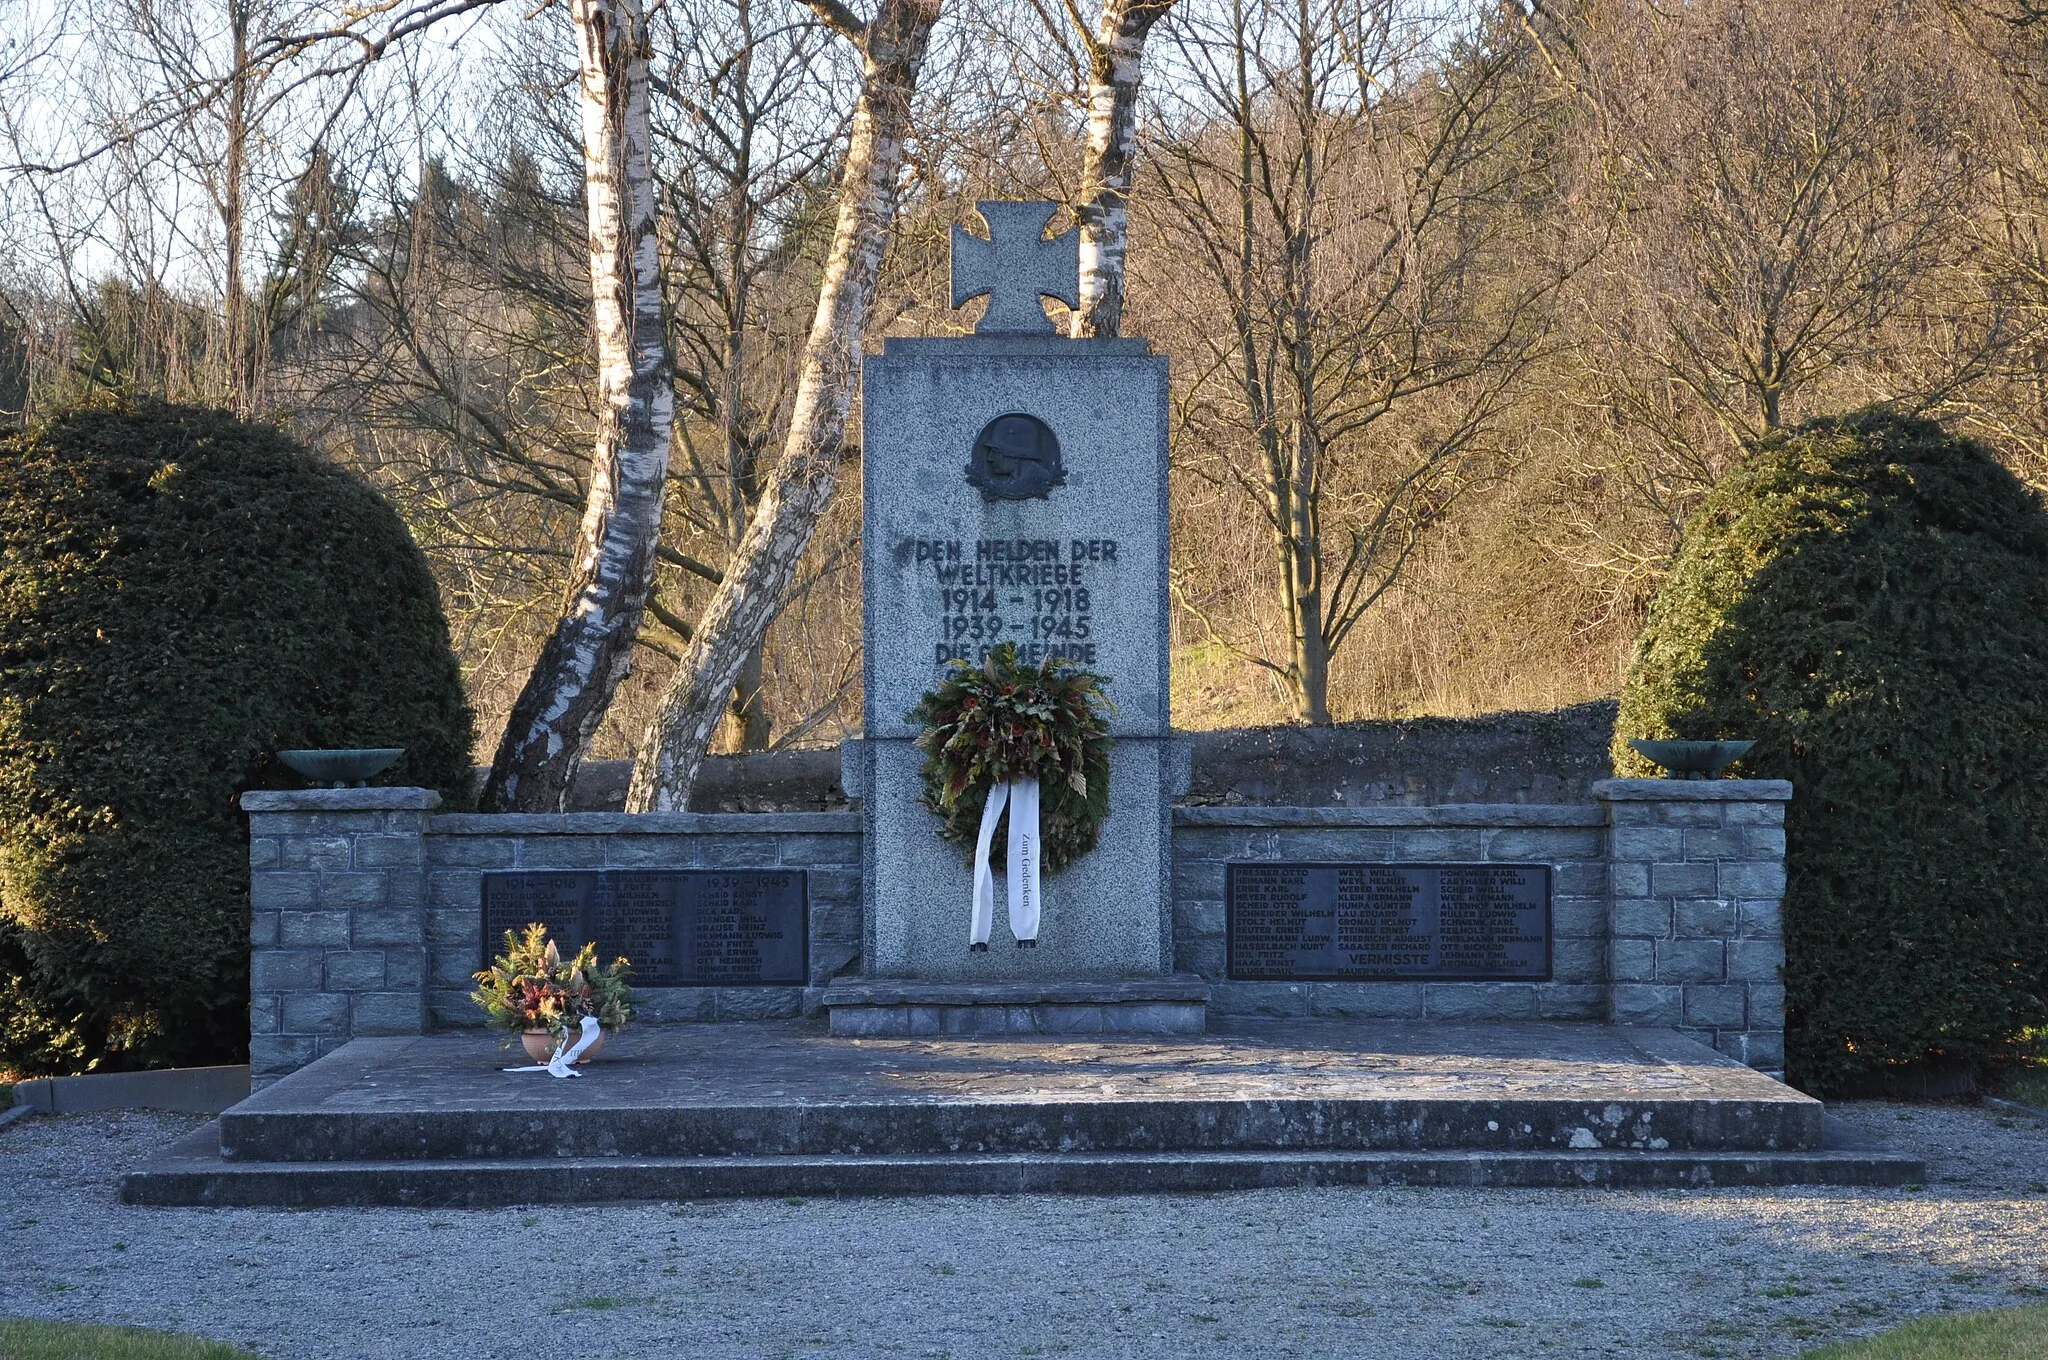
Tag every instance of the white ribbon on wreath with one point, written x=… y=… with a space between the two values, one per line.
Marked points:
x=560 y=1063
x=1024 y=856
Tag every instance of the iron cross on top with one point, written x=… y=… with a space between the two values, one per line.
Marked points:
x=1016 y=266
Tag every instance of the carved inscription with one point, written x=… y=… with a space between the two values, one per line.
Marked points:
x=678 y=927
x=1036 y=592
x=1369 y=922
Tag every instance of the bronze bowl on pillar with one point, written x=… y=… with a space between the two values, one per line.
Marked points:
x=1691 y=759
x=341 y=769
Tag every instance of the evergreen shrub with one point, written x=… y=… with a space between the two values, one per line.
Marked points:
x=181 y=595
x=1867 y=597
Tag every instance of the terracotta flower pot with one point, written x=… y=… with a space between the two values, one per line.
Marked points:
x=540 y=1045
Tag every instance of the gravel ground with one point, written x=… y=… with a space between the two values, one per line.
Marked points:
x=1353 y=1273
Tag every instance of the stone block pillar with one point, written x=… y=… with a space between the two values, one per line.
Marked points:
x=337 y=930
x=1696 y=880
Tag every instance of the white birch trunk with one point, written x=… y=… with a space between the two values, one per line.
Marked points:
x=591 y=648
x=746 y=602
x=1115 y=62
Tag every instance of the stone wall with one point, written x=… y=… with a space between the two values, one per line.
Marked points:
x=757 y=781
x=367 y=908
x=1552 y=757
x=1665 y=906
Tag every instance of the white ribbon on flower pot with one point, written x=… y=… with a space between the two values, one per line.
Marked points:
x=560 y=1064
x=1022 y=797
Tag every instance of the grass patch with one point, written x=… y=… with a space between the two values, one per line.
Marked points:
x=2027 y=1079
x=2001 y=1334
x=2027 y=1083
x=25 y=1340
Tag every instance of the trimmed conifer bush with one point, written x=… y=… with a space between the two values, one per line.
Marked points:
x=181 y=595
x=1867 y=597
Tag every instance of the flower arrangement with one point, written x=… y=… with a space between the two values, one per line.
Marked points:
x=531 y=987
x=1004 y=720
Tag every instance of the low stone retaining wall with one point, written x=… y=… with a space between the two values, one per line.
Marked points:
x=1664 y=906
x=1552 y=757
x=1537 y=757
x=366 y=906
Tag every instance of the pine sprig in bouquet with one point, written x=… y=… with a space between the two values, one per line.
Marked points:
x=1002 y=720
x=530 y=986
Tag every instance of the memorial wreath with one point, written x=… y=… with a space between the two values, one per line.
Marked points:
x=989 y=725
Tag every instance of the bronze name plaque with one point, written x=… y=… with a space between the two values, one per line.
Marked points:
x=678 y=927
x=1380 y=922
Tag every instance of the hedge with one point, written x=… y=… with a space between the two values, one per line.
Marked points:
x=181 y=595
x=1867 y=597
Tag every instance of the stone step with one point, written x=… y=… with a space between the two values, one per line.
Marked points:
x=192 y=1173
x=1015 y=1128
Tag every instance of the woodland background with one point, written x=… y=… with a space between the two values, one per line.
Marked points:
x=1468 y=305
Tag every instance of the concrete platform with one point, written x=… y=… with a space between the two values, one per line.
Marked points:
x=187 y=1090
x=786 y=1108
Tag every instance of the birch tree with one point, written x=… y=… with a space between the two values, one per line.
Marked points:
x=1116 y=51
x=752 y=130
x=892 y=47
x=459 y=380
x=591 y=648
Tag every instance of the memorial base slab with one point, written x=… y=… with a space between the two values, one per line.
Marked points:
x=784 y=1108
x=1175 y=1004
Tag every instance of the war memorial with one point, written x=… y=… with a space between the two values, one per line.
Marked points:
x=1530 y=993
